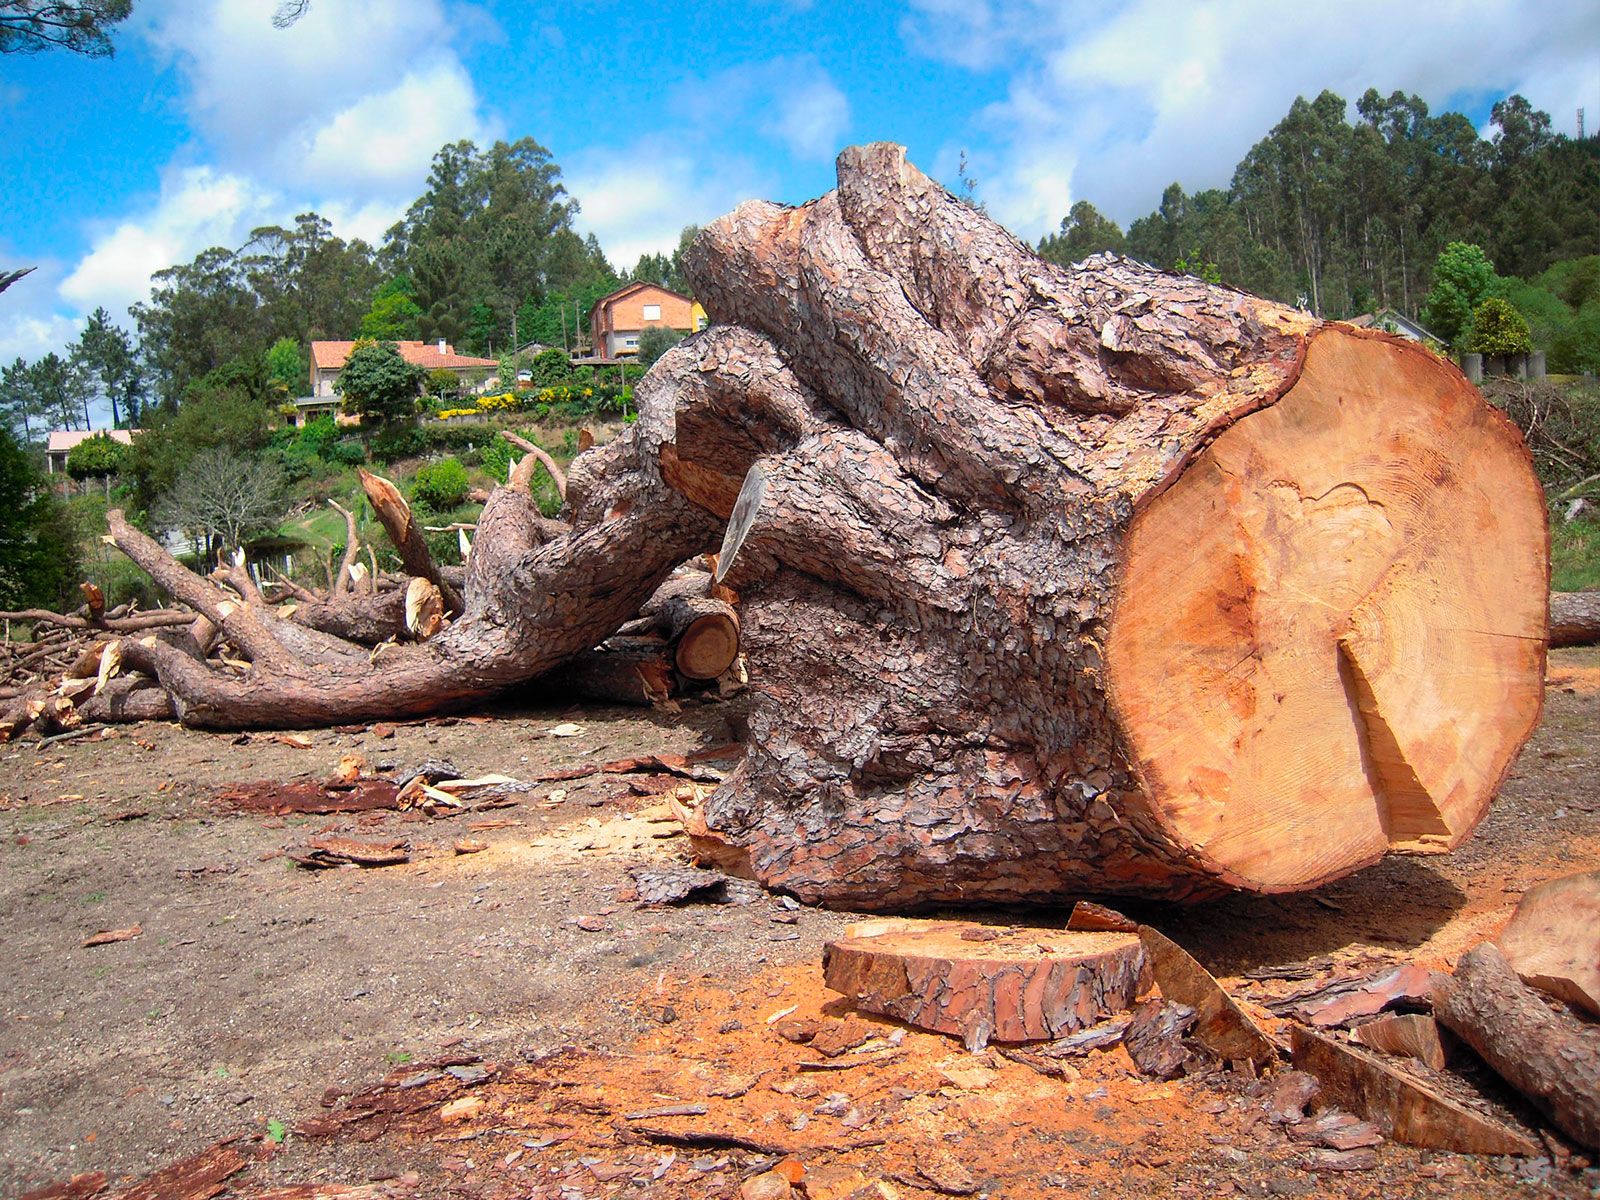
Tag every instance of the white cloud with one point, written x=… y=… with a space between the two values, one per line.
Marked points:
x=198 y=207
x=357 y=94
x=1114 y=107
x=812 y=117
x=637 y=201
x=32 y=337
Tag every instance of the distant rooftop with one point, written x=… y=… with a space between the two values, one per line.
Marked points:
x=63 y=440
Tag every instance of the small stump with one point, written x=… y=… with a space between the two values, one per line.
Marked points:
x=984 y=982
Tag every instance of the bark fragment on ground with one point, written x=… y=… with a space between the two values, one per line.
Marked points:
x=1222 y=1027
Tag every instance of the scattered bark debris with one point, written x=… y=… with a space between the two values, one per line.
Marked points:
x=1335 y=1129
x=1154 y=1038
x=1342 y=1001
x=1290 y=1095
x=1221 y=1026
x=339 y=851
x=314 y=797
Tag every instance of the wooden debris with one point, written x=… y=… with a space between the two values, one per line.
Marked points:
x=836 y=1037
x=1404 y=1033
x=1221 y=1026
x=1553 y=1058
x=1021 y=986
x=1404 y=1108
x=1096 y=1037
x=337 y=851
x=1553 y=940
x=1291 y=1093
x=1336 y=1129
x=1089 y=917
x=1154 y=1038
x=1345 y=1000
x=310 y=796
x=197 y=1177
x=106 y=937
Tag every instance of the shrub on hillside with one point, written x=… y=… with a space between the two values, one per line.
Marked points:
x=441 y=485
x=1498 y=329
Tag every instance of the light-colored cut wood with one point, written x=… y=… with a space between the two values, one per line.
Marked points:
x=1553 y=941
x=1330 y=639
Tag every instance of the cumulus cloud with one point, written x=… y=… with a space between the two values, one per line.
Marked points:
x=198 y=207
x=354 y=97
x=638 y=201
x=1113 y=107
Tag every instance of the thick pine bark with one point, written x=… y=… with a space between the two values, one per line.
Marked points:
x=1575 y=618
x=1098 y=579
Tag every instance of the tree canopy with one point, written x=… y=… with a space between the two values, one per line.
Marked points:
x=84 y=27
x=38 y=546
x=1347 y=212
x=378 y=385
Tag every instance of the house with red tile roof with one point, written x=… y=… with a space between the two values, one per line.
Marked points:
x=328 y=359
x=619 y=319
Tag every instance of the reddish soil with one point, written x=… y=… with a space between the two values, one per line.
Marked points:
x=258 y=989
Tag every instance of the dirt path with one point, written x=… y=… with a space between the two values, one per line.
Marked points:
x=257 y=986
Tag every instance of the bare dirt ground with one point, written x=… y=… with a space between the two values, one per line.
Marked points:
x=260 y=994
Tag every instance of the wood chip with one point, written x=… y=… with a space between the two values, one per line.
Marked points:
x=107 y=936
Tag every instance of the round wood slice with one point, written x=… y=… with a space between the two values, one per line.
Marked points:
x=984 y=982
x=1330 y=639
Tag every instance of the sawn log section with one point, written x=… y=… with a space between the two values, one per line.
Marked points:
x=1098 y=580
x=985 y=983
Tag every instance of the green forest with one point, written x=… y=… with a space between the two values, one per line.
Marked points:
x=1489 y=241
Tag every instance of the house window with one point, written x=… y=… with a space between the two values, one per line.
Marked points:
x=652 y=312
x=631 y=343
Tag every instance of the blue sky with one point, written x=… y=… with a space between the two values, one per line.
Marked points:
x=209 y=122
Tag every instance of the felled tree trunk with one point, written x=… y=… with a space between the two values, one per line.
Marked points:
x=1051 y=580
x=1098 y=579
x=1575 y=618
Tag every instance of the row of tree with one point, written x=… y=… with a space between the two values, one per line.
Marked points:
x=486 y=257
x=1345 y=216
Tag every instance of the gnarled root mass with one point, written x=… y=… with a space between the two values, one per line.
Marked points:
x=1051 y=580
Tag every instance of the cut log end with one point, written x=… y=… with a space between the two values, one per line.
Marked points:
x=708 y=646
x=980 y=982
x=1331 y=637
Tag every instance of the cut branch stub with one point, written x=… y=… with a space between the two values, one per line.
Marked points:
x=395 y=516
x=1098 y=579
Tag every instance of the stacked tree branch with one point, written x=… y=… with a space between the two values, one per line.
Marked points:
x=225 y=634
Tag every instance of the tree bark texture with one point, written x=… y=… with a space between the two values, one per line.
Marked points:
x=1553 y=1058
x=1574 y=618
x=1100 y=579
